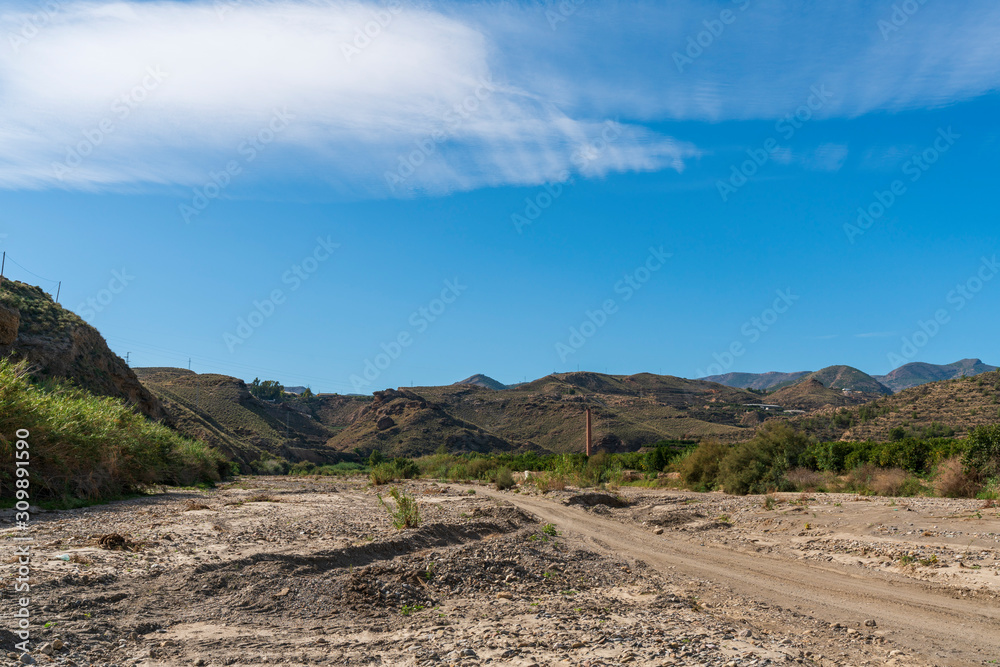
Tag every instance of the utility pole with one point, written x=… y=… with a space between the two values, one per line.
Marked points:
x=58 y=289
x=2 y=265
x=588 y=433
x=189 y=363
x=126 y=357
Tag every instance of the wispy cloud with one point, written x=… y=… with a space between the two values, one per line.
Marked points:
x=876 y=334
x=360 y=103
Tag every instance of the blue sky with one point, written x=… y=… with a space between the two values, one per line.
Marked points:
x=509 y=189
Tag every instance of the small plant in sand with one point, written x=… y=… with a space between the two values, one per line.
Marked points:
x=405 y=514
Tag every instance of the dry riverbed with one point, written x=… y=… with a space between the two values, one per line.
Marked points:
x=301 y=571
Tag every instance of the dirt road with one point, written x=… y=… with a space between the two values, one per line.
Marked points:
x=933 y=620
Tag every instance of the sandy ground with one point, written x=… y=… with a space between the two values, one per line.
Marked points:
x=310 y=571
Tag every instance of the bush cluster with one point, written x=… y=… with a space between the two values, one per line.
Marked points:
x=90 y=447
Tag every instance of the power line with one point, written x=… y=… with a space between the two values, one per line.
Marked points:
x=31 y=272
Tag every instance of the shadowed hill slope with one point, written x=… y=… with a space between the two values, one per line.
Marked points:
x=221 y=411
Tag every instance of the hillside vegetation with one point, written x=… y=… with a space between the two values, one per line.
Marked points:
x=59 y=345
x=85 y=446
x=221 y=411
x=946 y=408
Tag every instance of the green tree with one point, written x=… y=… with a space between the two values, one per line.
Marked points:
x=268 y=390
x=983 y=451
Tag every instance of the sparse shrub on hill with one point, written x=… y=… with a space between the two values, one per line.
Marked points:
x=268 y=390
x=91 y=447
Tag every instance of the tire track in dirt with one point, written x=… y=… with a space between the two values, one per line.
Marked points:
x=922 y=617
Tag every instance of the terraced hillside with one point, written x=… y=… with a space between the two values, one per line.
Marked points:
x=221 y=411
x=948 y=407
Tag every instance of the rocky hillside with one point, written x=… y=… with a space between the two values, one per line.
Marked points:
x=483 y=381
x=945 y=408
x=60 y=345
x=221 y=411
x=402 y=422
x=849 y=378
x=760 y=381
x=918 y=373
x=810 y=394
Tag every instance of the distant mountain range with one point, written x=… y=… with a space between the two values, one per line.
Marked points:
x=915 y=374
x=846 y=377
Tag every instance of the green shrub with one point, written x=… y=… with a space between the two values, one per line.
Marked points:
x=383 y=473
x=759 y=465
x=89 y=447
x=503 y=479
x=405 y=514
x=983 y=450
x=699 y=468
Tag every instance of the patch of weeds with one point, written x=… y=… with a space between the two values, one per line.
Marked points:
x=405 y=514
x=568 y=591
x=926 y=562
x=770 y=503
x=723 y=518
x=471 y=492
x=408 y=609
x=906 y=559
x=549 y=529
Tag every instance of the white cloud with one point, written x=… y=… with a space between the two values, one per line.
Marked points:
x=354 y=114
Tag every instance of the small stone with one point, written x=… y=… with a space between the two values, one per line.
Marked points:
x=57 y=644
x=658 y=531
x=199 y=662
x=871 y=623
x=46 y=648
x=26 y=659
x=744 y=633
x=503 y=595
x=282 y=593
